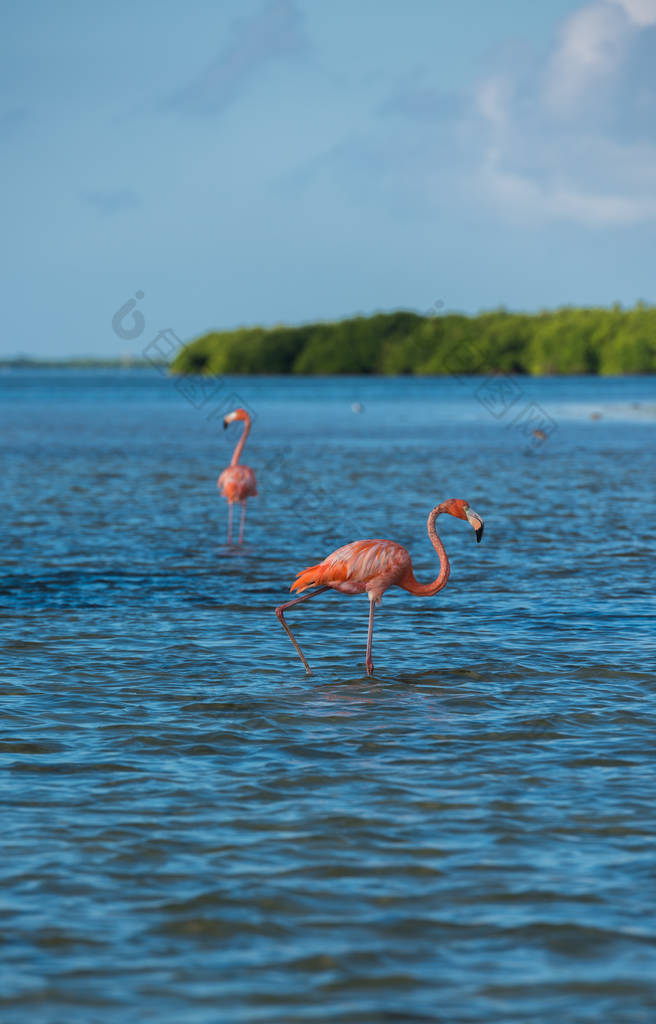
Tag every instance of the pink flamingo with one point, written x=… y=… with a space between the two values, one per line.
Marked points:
x=375 y=565
x=237 y=483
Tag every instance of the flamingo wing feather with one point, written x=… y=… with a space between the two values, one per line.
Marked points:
x=352 y=567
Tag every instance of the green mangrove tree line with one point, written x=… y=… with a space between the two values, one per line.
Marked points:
x=564 y=341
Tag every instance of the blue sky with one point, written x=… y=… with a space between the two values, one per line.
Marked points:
x=260 y=162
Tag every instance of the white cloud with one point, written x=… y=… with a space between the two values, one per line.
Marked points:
x=592 y=46
x=569 y=136
x=575 y=140
x=492 y=100
x=530 y=200
x=641 y=12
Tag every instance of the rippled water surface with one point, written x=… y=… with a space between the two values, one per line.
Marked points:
x=195 y=831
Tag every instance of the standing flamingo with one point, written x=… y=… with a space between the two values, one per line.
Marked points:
x=375 y=565
x=237 y=483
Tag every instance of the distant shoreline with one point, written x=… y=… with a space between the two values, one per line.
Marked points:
x=28 y=363
x=101 y=364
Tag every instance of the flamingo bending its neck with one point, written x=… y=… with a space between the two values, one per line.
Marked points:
x=237 y=483
x=375 y=565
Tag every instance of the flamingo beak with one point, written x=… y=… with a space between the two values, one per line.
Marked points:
x=225 y=423
x=475 y=520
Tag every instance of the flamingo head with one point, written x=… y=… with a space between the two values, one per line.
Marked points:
x=461 y=510
x=236 y=414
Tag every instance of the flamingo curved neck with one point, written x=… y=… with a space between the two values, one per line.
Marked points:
x=428 y=589
x=240 y=443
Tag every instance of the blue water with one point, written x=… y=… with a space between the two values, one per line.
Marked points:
x=195 y=831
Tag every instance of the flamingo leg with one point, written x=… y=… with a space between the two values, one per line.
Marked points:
x=230 y=522
x=283 y=608
x=241 y=525
x=369 y=663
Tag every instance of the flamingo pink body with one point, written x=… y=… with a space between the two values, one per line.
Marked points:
x=363 y=565
x=237 y=482
x=372 y=566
